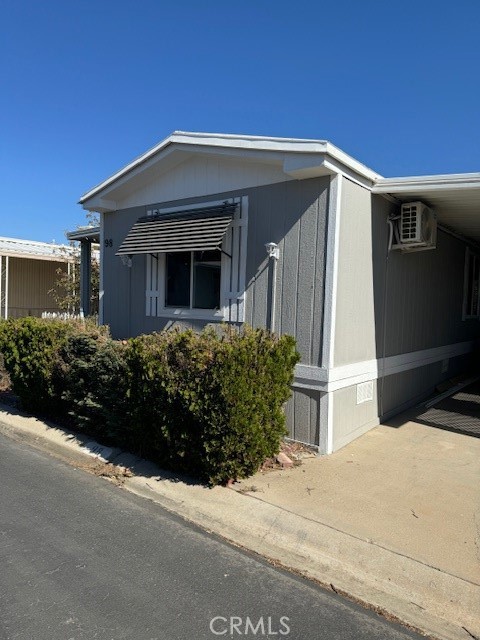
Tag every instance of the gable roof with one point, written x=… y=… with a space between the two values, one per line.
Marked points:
x=300 y=158
x=455 y=197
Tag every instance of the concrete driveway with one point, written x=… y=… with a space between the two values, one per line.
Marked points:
x=406 y=486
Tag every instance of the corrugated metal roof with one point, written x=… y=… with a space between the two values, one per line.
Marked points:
x=188 y=230
x=35 y=250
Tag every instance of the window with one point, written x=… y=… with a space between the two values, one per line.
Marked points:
x=471 y=295
x=193 y=279
x=207 y=284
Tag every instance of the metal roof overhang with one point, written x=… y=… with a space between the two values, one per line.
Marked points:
x=186 y=230
x=91 y=234
x=455 y=198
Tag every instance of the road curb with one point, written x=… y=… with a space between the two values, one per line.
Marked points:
x=436 y=603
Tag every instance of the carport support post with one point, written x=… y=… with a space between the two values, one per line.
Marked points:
x=85 y=276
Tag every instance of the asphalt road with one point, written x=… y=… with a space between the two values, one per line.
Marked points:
x=82 y=558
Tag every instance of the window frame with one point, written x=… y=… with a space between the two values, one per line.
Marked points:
x=467 y=304
x=188 y=312
x=231 y=269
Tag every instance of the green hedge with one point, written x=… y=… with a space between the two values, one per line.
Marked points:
x=29 y=347
x=208 y=404
x=90 y=376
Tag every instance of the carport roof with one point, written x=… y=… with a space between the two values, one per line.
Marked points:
x=454 y=197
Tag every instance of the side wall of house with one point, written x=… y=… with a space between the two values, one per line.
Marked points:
x=399 y=313
x=29 y=284
x=291 y=214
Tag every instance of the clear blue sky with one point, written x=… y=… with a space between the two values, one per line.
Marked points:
x=87 y=86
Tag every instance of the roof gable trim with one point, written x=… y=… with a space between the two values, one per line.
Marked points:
x=299 y=158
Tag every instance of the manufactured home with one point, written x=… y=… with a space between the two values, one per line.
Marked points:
x=376 y=278
x=28 y=271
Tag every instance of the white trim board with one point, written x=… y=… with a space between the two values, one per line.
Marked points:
x=331 y=379
x=331 y=270
x=330 y=294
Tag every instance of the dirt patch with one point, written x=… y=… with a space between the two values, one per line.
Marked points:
x=113 y=472
x=296 y=451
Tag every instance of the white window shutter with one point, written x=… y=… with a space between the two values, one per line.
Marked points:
x=235 y=244
x=153 y=290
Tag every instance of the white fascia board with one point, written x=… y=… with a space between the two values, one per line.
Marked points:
x=412 y=184
x=258 y=145
x=352 y=164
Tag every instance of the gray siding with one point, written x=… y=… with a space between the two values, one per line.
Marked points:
x=419 y=296
x=409 y=387
x=388 y=307
x=350 y=419
x=424 y=292
x=399 y=392
x=355 y=315
x=292 y=214
x=304 y=416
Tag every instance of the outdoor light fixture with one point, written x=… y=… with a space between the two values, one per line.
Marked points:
x=273 y=250
x=126 y=260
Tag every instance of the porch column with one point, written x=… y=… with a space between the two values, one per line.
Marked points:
x=85 y=276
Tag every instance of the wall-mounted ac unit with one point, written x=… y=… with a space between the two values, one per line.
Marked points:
x=417 y=227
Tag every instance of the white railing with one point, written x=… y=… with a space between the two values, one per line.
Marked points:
x=62 y=315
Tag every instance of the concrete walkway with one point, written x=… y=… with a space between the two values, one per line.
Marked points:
x=391 y=520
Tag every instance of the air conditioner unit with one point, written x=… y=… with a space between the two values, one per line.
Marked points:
x=417 y=227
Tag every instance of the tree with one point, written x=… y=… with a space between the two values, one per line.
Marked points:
x=66 y=291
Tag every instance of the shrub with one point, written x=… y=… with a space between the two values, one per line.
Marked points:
x=5 y=383
x=209 y=404
x=90 y=379
x=29 y=347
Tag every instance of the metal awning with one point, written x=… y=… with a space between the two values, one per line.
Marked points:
x=186 y=230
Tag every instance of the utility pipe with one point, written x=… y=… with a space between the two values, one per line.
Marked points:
x=273 y=252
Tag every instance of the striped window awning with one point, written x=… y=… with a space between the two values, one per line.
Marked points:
x=186 y=230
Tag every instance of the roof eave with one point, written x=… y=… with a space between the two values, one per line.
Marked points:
x=339 y=160
x=431 y=182
x=91 y=234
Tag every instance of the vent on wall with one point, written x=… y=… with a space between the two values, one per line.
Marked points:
x=364 y=392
